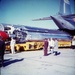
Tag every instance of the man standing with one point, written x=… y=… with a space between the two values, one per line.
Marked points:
x=52 y=45
x=56 y=47
x=73 y=43
x=45 y=47
x=12 y=45
x=49 y=44
x=2 y=49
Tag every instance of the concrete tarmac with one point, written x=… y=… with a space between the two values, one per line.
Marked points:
x=35 y=63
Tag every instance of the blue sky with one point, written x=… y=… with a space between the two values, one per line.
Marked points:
x=23 y=11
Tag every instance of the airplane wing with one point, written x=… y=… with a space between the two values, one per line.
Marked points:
x=44 y=30
x=49 y=18
x=45 y=18
x=47 y=33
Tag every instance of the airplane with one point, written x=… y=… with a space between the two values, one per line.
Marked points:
x=64 y=19
x=24 y=33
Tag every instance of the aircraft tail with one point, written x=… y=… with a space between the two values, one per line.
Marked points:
x=64 y=7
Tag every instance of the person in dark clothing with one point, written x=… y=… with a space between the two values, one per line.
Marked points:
x=45 y=47
x=2 y=49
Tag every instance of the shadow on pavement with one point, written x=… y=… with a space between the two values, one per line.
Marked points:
x=9 y=61
x=55 y=53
